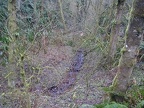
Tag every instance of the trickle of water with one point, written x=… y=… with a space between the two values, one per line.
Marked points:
x=70 y=78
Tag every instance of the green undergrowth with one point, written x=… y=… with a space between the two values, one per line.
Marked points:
x=118 y=105
x=110 y=105
x=104 y=105
x=134 y=98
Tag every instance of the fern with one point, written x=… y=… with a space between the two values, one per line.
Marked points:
x=140 y=105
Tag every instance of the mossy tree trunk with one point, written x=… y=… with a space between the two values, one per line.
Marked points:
x=12 y=27
x=115 y=29
x=129 y=52
x=15 y=57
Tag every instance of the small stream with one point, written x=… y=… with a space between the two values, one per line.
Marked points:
x=69 y=81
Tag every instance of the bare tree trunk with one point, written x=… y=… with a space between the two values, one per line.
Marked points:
x=115 y=30
x=129 y=52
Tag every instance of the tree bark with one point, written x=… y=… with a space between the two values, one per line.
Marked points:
x=129 y=52
x=12 y=27
x=115 y=30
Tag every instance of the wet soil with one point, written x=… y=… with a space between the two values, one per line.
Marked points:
x=70 y=79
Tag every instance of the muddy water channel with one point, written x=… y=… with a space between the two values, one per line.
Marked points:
x=69 y=80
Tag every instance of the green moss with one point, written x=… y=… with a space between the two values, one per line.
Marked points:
x=123 y=50
x=114 y=83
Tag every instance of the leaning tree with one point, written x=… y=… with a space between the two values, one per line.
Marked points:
x=133 y=35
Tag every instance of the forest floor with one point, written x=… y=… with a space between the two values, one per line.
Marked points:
x=52 y=66
x=89 y=80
